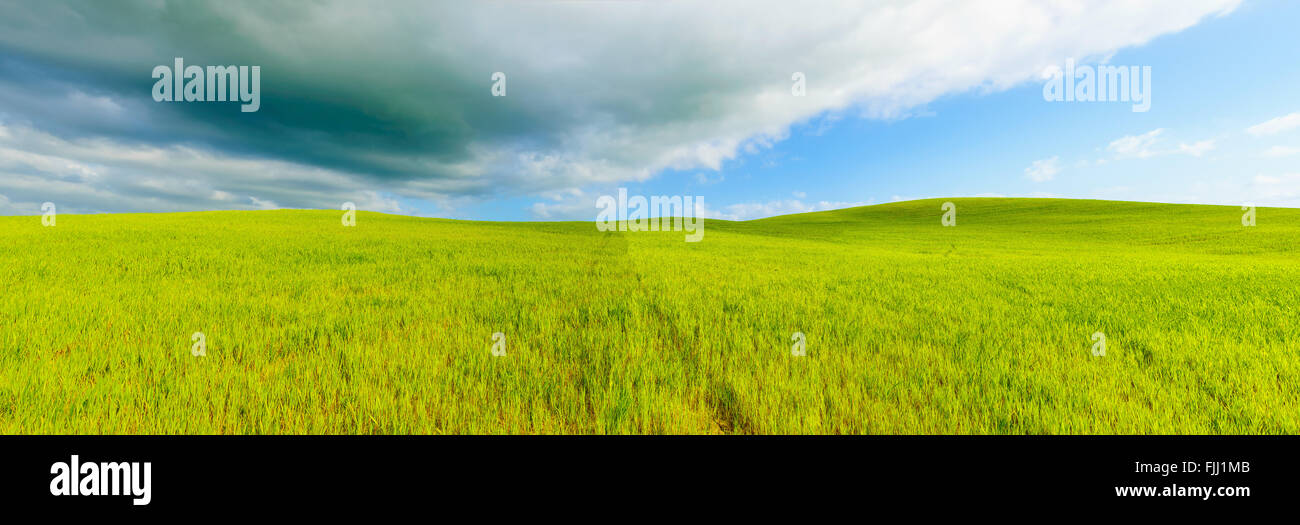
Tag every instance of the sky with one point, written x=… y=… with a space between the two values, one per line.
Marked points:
x=393 y=109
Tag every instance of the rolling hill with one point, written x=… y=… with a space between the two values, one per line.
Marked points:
x=985 y=327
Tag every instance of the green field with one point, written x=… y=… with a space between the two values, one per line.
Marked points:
x=911 y=327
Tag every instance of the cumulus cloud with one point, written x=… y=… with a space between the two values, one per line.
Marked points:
x=1145 y=146
x=1136 y=146
x=1198 y=148
x=707 y=178
x=1043 y=170
x=1275 y=126
x=395 y=102
x=94 y=175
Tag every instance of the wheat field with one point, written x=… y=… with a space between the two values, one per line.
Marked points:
x=911 y=327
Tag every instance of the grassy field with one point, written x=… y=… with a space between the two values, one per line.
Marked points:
x=911 y=327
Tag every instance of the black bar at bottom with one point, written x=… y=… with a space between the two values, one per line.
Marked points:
x=324 y=474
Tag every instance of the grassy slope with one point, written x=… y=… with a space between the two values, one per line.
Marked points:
x=911 y=327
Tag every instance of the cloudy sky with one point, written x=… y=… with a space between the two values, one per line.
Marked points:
x=392 y=107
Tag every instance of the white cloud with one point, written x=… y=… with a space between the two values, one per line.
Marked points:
x=108 y=175
x=1145 y=146
x=706 y=178
x=1043 y=170
x=614 y=92
x=1275 y=126
x=1281 y=151
x=572 y=204
x=1197 y=149
x=1136 y=146
x=265 y=205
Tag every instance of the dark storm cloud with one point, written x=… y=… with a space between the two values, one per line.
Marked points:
x=336 y=101
x=366 y=102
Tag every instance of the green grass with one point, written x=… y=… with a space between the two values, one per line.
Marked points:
x=911 y=327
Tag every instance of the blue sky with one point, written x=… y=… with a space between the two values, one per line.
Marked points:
x=933 y=99
x=1210 y=82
